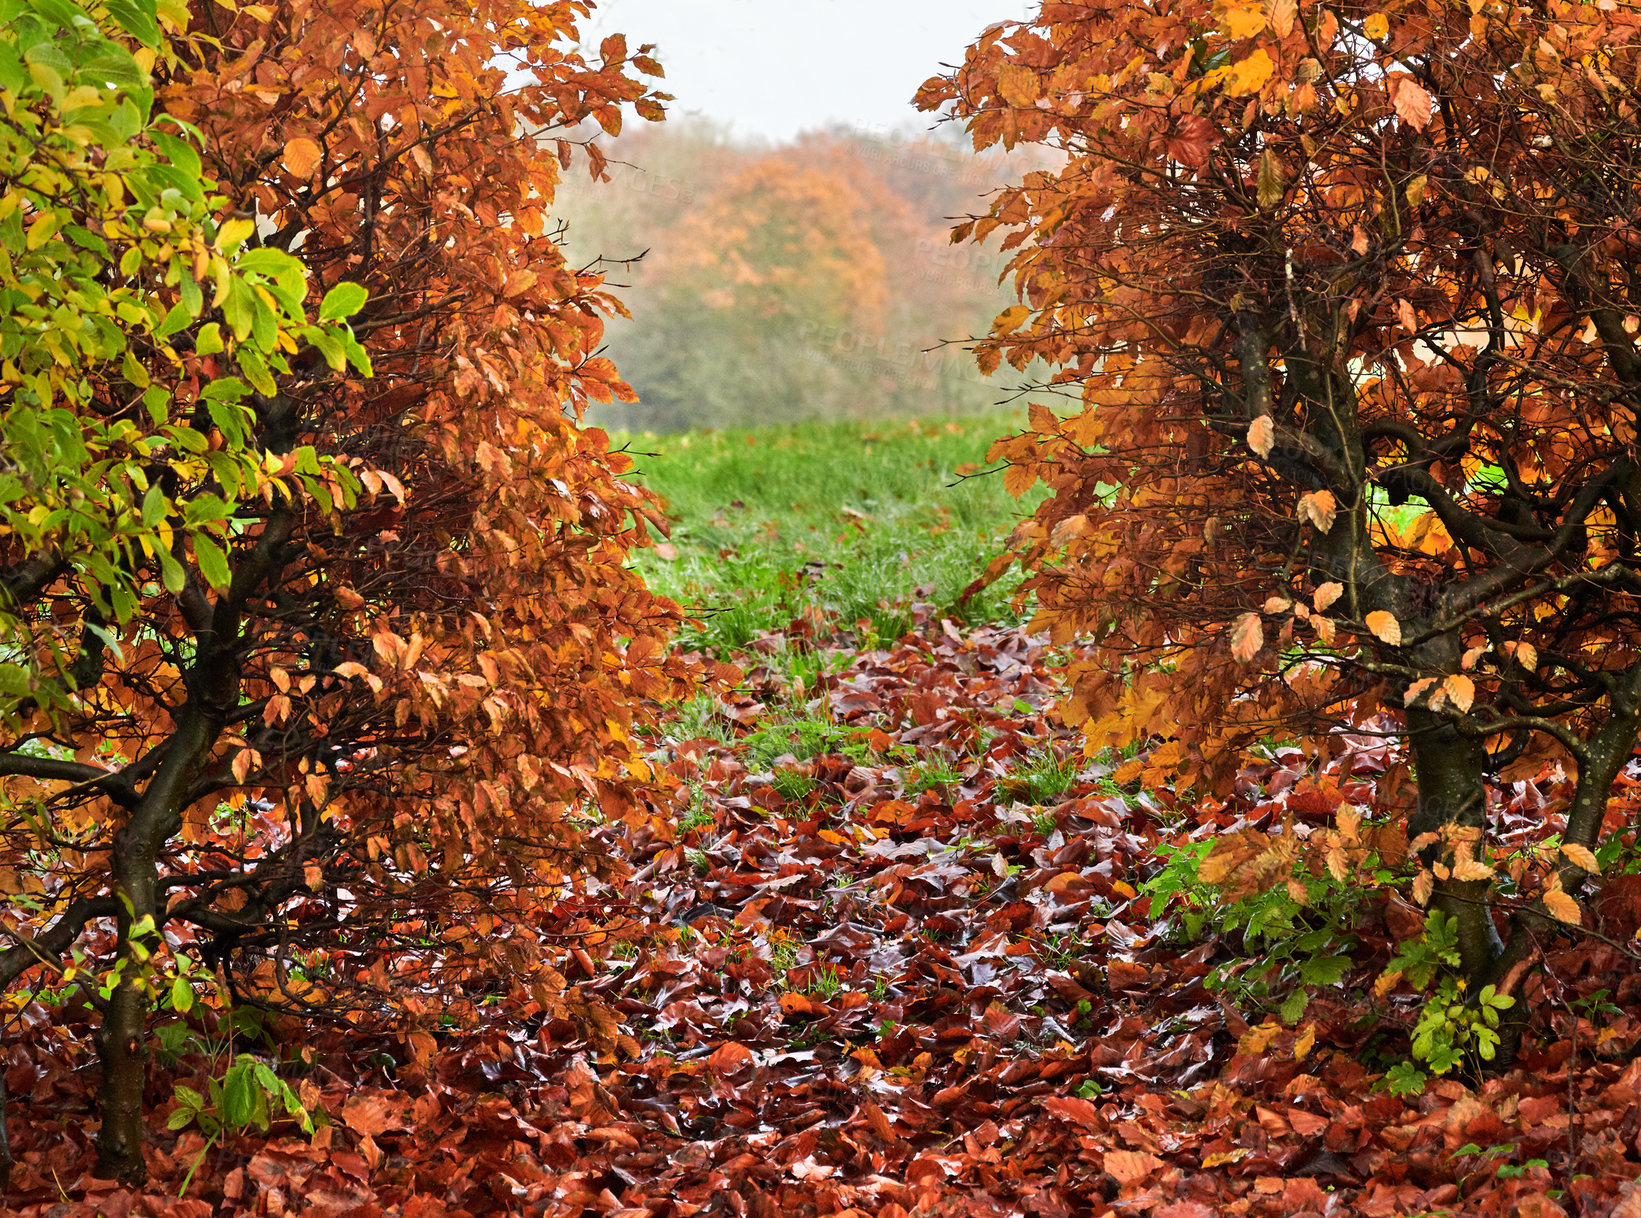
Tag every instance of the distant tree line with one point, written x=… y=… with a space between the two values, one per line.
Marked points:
x=811 y=280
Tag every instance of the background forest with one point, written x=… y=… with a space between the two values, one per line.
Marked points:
x=777 y=284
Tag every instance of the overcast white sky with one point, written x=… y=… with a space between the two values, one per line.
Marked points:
x=774 y=68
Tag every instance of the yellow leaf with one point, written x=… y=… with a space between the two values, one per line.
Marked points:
x=233 y=232
x=301 y=156
x=1250 y=74
x=1385 y=627
x=41 y=231
x=1376 y=27
x=1269 y=184
x=1305 y=1042
x=1243 y=20
x=1018 y=85
x=1583 y=856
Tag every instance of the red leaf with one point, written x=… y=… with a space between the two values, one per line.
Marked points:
x=1192 y=140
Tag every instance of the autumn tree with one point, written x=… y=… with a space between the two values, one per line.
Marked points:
x=1343 y=305
x=774 y=253
x=304 y=717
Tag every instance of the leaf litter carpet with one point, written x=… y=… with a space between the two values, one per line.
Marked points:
x=898 y=959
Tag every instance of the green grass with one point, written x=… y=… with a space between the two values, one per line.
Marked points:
x=837 y=521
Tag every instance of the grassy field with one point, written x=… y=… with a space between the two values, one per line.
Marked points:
x=846 y=520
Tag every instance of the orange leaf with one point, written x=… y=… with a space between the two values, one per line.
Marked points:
x=1262 y=435
x=1326 y=595
x=1131 y=1166
x=1471 y=869
x=1562 y=907
x=1412 y=103
x=1077 y=1111
x=1461 y=691
x=301 y=156
x=729 y=1057
x=1320 y=508
x=1193 y=138
x=373 y=1114
x=1385 y=627
x=1582 y=856
x=1018 y=85
x=1247 y=637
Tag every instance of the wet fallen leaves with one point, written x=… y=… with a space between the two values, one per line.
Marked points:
x=877 y=973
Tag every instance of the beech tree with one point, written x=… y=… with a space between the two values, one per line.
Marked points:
x=1343 y=302
x=308 y=723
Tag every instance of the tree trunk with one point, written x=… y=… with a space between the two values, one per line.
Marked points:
x=124 y=1053
x=1452 y=791
x=123 y=1045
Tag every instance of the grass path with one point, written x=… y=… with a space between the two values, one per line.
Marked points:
x=833 y=522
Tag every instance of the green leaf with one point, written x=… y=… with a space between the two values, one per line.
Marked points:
x=205 y=509
x=137 y=18
x=177 y=319
x=265 y=260
x=344 y=300
x=1293 y=1006
x=178 y=151
x=255 y=369
x=238 y=1096
x=356 y=354
x=329 y=346
x=239 y=308
x=213 y=563
x=1405 y=1079
x=1324 y=970
x=182 y=996
x=225 y=389
x=171 y=572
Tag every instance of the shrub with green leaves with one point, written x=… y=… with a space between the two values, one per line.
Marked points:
x=110 y=256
